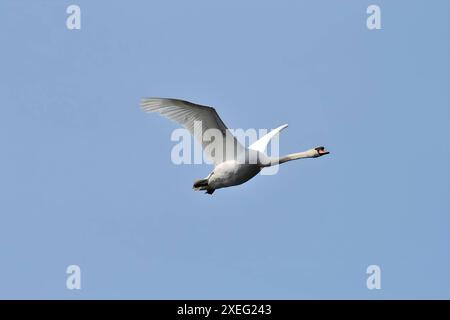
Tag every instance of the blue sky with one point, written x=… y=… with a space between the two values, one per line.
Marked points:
x=86 y=177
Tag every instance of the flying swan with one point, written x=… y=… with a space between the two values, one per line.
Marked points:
x=232 y=166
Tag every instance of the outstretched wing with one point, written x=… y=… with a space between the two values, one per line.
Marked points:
x=262 y=143
x=197 y=119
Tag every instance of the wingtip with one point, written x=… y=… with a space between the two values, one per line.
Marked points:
x=147 y=104
x=144 y=100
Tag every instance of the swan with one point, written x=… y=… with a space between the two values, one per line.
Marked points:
x=230 y=168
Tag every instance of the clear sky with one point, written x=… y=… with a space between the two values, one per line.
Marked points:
x=86 y=176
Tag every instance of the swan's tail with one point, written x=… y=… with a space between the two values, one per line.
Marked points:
x=202 y=184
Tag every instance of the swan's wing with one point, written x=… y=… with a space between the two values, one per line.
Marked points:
x=262 y=143
x=190 y=116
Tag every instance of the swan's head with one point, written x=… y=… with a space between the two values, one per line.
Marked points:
x=320 y=151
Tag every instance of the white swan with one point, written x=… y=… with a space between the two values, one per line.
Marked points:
x=232 y=168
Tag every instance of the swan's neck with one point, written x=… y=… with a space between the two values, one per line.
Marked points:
x=312 y=153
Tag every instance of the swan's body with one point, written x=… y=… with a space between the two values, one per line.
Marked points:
x=232 y=168
x=231 y=173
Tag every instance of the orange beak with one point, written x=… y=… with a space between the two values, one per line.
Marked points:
x=321 y=151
